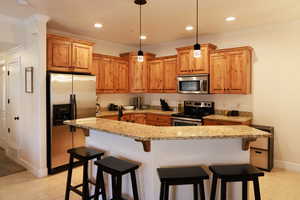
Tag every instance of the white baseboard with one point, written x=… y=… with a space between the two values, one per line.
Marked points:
x=12 y=154
x=287 y=165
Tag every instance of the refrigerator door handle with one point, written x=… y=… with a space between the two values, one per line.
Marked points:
x=73 y=111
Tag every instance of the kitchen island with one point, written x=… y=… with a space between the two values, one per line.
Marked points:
x=167 y=147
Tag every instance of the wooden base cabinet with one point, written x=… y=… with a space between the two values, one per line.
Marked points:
x=138 y=72
x=162 y=75
x=211 y=122
x=187 y=64
x=158 y=120
x=68 y=55
x=111 y=74
x=230 y=71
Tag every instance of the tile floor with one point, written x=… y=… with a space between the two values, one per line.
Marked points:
x=278 y=185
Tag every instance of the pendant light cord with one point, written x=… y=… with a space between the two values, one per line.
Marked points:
x=197 y=31
x=140 y=27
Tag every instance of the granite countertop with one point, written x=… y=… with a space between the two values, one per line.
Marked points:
x=229 y=118
x=151 y=111
x=147 y=132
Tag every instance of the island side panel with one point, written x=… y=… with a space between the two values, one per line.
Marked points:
x=167 y=153
x=127 y=148
x=204 y=152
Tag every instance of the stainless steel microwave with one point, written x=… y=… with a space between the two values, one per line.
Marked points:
x=193 y=84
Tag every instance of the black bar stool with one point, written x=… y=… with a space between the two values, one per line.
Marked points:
x=116 y=168
x=182 y=176
x=235 y=173
x=84 y=155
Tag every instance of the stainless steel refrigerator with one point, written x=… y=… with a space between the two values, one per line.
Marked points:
x=69 y=96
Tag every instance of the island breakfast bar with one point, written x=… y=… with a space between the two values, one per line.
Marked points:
x=169 y=147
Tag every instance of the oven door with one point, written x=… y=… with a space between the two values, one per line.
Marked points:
x=192 y=84
x=186 y=122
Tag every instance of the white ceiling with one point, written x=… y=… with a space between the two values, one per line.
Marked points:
x=163 y=20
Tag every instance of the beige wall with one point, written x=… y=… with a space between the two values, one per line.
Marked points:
x=275 y=98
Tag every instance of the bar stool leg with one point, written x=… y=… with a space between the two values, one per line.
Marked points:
x=213 y=188
x=119 y=187
x=69 y=178
x=114 y=187
x=256 y=188
x=166 y=192
x=162 y=191
x=245 y=190
x=100 y=185
x=202 y=193
x=223 y=190
x=195 y=192
x=85 y=189
x=134 y=186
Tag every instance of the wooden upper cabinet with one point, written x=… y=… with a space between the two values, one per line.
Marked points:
x=156 y=76
x=138 y=72
x=68 y=55
x=111 y=74
x=218 y=67
x=162 y=75
x=230 y=71
x=121 y=76
x=59 y=54
x=187 y=64
x=170 y=72
x=82 y=57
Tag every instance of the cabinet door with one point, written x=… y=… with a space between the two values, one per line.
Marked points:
x=96 y=71
x=200 y=65
x=170 y=71
x=238 y=72
x=184 y=62
x=82 y=57
x=121 y=78
x=156 y=76
x=218 y=68
x=137 y=75
x=59 y=55
x=106 y=75
x=139 y=118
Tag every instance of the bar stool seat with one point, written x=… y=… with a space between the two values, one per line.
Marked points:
x=235 y=173
x=117 y=168
x=182 y=176
x=84 y=155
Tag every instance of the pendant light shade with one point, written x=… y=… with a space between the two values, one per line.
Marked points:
x=140 y=57
x=140 y=54
x=197 y=46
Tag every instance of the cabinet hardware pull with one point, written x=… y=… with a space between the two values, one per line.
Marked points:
x=258 y=152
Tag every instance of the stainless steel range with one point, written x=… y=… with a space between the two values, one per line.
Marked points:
x=193 y=113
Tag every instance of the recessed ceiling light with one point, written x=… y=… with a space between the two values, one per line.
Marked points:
x=230 y=19
x=189 y=28
x=97 y=25
x=143 y=37
x=22 y=2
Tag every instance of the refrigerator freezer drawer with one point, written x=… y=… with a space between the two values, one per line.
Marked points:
x=259 y=158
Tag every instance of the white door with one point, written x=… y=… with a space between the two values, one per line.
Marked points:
x=3 y=130
x=13 y=102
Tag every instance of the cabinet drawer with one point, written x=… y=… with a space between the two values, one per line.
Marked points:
x=260 y=143
x=259 y=158
x=219 y=122
x=158 y=118
x=110 y=117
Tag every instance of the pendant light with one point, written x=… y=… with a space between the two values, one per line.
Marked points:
x=140 y=57
x=197 y=46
